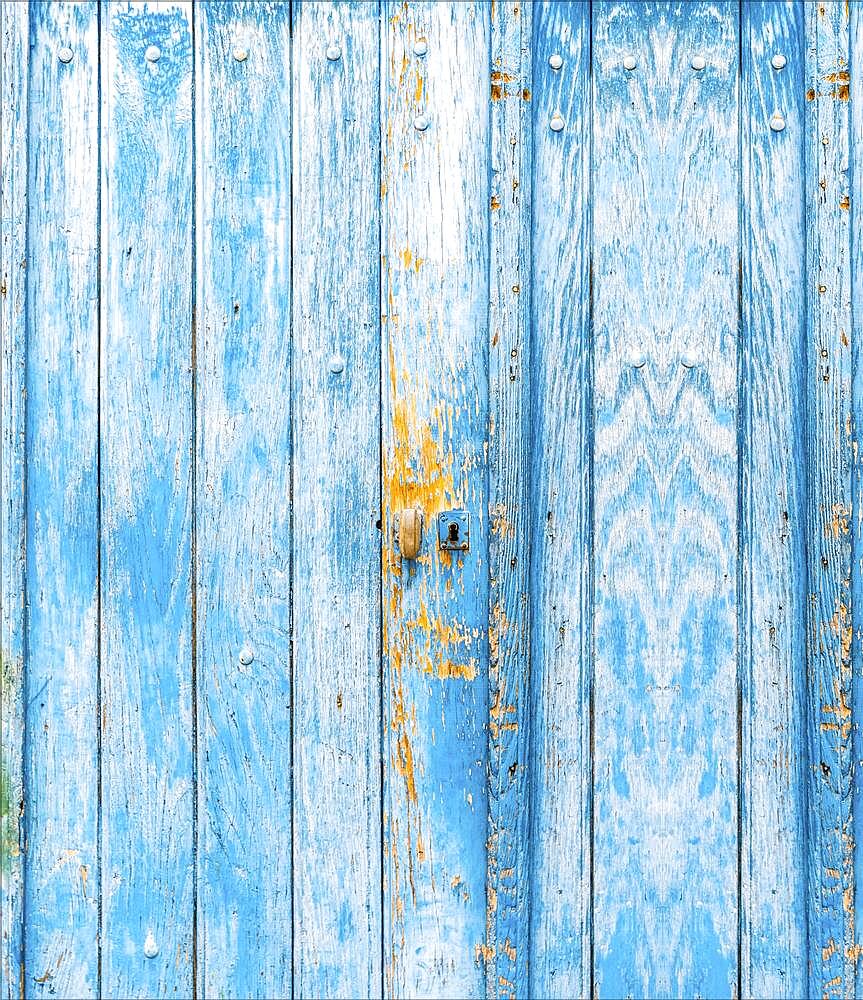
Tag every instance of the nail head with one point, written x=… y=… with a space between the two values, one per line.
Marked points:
x=689 y=359
x=636 y=359
x=778 y=61
x=153 y=53
x=151 y=949
x=698 y=63
x=337 y=364
x=421 y=123
x=420 y=47
x=777 y=122
x=241 y=55
x=557 y=123
x=334 y=53
x=629 y=62
x=246 y=656
x=65 y=54
x=555 y=61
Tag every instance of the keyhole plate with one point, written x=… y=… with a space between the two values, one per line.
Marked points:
x=453 y=530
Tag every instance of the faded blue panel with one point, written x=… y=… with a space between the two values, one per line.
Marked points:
x=435 y=272
x=773 y=505
x=831 y=458
x=509 y=558
x=665 y=329
x=336 y=492
x=61 y=766
x=14 y=62
x=243 y=497
x=560 y=490
x=146 y=474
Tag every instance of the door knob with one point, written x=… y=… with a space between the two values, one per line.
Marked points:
x=409 y=532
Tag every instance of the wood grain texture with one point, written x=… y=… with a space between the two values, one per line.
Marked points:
x=337 y=539
x=773 y=506
x=435 y=191
x=509 y=556
x=147 y=759
x=831 y=447
x=61 y=762
x=242 y=495
x=665 y=201
x=560 y=525
x=14 y=79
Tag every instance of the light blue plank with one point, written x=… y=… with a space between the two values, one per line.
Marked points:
x=61 y=763
x=14 y=60
x=665 y=324
x=336 y=490
x=509 y=558
x=147 y=359
x=559 y=958
x=831 y=448
x=242 y=489
x=435 y=185
x=773 y=506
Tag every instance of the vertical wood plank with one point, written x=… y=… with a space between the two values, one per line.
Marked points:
x=560 y=505
x=336 y=446
x=147 y=356
x=435 y=124
x=61 y=762
x=507 y=892
x=14 y=63
x=242 y=491
x=665 y=187
x=831 y=447
x=773 y=506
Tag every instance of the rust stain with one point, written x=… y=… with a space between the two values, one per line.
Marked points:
x=495 y=203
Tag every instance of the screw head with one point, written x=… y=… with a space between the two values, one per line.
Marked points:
x=151 y=949
x=557 y=123
x=698 y=63
x=334 y=52
x=240 y=54
x=555 y=61
x=421 y=123
x=778 y=61
x=777 y=122
x=337 y=364
x=689 y=359
x=246 y=655
x=420 y=47
x=629 y=62
x=65 y=54
x=153 y=53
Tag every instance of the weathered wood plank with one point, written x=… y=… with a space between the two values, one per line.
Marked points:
x=14 y=61
x=773 y=505
x=560 y=505
x=831 y=446
x=665 y=210
x=242 y=497
x=147 y=357
x=435 y=122
x=61 y=752
x=337 y=548
x=507 y=924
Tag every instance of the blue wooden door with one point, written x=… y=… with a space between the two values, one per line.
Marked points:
x=430 y=499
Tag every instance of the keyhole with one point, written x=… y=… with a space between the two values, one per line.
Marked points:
x=453 y=531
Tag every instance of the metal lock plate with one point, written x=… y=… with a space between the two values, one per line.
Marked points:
x=453 y=530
